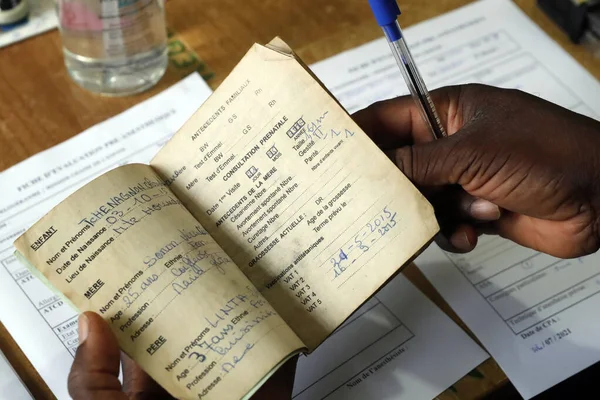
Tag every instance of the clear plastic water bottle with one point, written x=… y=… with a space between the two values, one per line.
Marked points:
x=114 y=47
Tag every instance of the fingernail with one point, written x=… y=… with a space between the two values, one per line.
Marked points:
x=82 y=326
x=484 y=210
x=460 y=241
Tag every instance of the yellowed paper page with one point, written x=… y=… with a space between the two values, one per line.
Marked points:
x=307 y=206
x=124 y=247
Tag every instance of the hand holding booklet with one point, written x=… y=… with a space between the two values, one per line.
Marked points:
x=252 y=235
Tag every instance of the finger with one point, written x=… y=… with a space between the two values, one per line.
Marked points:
x=280 y=385
x=138 y=384
x=453 y=204
x=398 y=122
x=480 y=209
x=461 y=239
x=95 y=371
x=487 y=228
x=440 y=162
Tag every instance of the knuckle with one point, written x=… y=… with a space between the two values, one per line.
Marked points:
x=379 y=105
x=593 y=242
x=76 y=384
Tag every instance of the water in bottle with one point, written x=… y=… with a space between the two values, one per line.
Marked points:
x=114 y=47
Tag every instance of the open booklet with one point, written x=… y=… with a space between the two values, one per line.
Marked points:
x=252 y=235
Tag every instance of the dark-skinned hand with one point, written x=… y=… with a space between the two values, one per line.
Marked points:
x=513 y=165
x=95 y=371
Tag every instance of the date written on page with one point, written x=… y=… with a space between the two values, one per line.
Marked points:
x=550 y=340
x=365 y=238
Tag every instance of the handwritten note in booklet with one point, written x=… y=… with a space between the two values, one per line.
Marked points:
x=251 y=236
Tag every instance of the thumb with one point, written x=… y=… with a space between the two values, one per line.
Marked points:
x=447 y=162
x=95 y=371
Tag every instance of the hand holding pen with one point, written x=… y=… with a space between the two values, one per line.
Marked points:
x=386 y=13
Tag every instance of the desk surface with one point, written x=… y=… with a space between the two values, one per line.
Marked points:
x=40 y=106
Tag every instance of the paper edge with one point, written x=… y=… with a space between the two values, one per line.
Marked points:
x=17 y=242
x=268 y=376
x=37 y=274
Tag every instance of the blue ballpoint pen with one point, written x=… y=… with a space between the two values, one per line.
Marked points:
x=386 y=13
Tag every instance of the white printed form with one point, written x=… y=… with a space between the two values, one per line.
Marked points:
x=43 y=326
x=533 y=313
x=398 y=345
